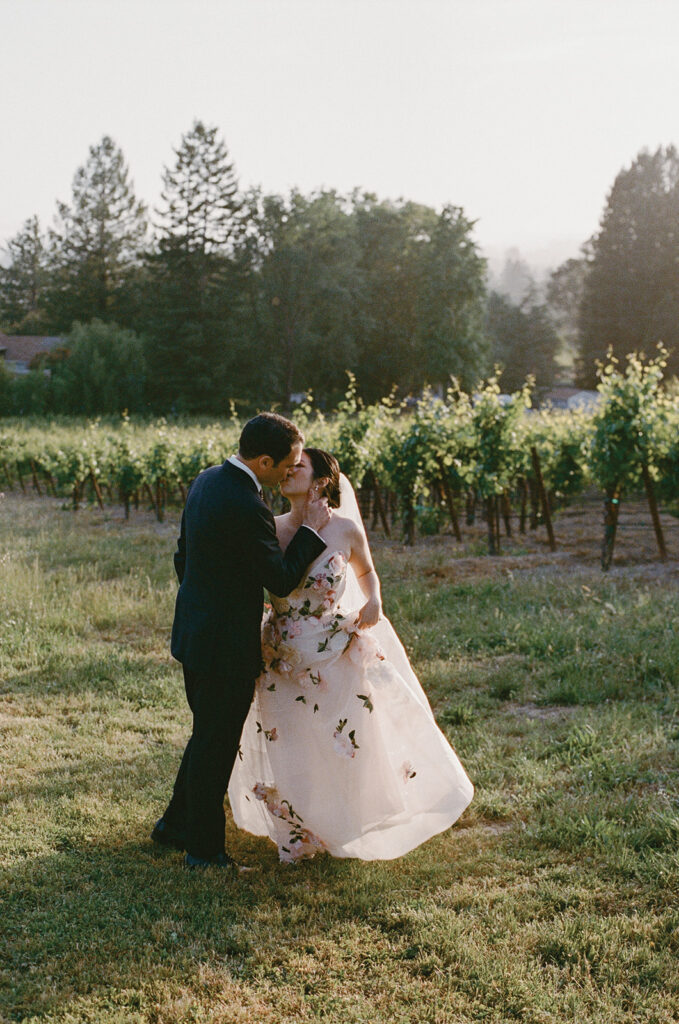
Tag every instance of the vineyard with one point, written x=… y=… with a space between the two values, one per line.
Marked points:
x=424 y=466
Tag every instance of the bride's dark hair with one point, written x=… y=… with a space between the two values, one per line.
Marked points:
x=325 y=464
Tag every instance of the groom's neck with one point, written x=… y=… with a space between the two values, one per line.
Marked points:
x=250 y=463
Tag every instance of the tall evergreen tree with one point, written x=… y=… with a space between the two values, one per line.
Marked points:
x=96 y=243
x=194 y=272
x=22 y=282
x=631 y=291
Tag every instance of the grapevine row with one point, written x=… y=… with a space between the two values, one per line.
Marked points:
x=425 y=463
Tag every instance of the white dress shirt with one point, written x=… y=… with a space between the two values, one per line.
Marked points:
x=235 y=461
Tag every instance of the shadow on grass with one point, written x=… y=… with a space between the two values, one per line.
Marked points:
x=123 y=916
x=91 y=909
x=114 y=671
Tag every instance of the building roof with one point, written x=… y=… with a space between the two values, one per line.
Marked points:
x=22 y=348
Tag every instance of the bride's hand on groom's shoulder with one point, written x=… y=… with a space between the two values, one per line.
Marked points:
x=316 y=513
x=369 y=614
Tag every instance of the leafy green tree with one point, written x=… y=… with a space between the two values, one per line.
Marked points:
x=631 y=292
x=97 y=242
x=387 y=236
x=194 y=276
x=31 y=394
x=302 y=292
x=105 y=371
x=391 y=292
x=524 y=342
x=450 y=340
x=422 y=299
x=22 y=282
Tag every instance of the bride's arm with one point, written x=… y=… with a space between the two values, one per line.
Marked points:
x=362 y=564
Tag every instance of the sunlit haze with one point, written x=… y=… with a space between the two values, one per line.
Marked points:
x=520 y=111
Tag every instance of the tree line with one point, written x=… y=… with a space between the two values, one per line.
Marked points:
x=222 y=293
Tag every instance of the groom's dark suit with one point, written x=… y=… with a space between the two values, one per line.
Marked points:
x=227 y=553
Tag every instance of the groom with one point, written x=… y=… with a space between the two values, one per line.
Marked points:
x=226 y=554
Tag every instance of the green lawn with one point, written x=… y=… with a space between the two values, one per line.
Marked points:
x=555 y=898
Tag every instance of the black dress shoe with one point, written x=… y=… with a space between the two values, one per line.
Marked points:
x=220 y=860
x=165 y=835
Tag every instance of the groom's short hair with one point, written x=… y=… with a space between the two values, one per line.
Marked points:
x=269 y=434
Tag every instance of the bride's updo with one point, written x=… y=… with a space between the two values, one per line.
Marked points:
x=325 y=464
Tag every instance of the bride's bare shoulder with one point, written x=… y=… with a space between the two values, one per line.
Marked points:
x=341 y=522
x=350 y=530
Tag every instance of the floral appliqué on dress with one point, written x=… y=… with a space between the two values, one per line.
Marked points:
x=317 y=663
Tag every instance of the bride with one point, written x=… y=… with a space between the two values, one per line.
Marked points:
x=340 y=751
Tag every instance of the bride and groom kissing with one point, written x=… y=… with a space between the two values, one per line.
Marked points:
x=310 y=715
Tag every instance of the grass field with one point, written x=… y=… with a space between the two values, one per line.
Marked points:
x=555 y=898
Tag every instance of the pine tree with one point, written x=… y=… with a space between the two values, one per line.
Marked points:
x=97 y=242
x=200 y=195
x=193 y=272
x=631 y=291
x=22 y=282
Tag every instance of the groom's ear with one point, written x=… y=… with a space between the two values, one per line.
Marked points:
x=265 y=463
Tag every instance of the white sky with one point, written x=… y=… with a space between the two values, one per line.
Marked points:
x=520 y=111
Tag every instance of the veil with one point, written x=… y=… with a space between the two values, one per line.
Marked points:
x=354 y=599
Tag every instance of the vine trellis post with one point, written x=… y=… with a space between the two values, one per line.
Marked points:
x=544 y=503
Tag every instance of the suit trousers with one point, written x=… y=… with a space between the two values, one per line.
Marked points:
x=220 y=703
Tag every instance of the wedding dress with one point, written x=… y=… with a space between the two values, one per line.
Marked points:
x=340 y=751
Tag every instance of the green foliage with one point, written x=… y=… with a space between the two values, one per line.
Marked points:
x=254 y=297
x=523 y=341
x=96 y=244
x=304 y=281
x=421 y=308
x=23 y=280
x=631 y=297
x=104 y=373
x=565 y=290
x=6 y=396
x=420 y=449
x=192 y=279
x=625 y=429
x=425 y=452
x=358 y=434
x=561 y=440
x=499 y=451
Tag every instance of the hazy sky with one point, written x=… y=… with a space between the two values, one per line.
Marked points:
x=520 y=111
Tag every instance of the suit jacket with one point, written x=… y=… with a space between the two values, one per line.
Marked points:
x=226 y=553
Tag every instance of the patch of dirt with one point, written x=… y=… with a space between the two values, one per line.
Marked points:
x=578 y=532
x=497 y=828
x=547 y=713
